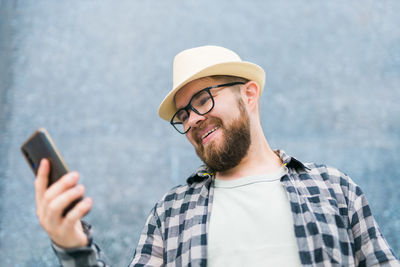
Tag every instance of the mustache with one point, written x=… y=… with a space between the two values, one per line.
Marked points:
x=211 y=121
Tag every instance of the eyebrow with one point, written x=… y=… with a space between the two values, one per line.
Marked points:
x=178 y=108
x=208 y=87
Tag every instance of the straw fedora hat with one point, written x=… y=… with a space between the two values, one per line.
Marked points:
x=203 y=61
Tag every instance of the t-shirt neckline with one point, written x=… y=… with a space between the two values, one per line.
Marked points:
x=247 y=180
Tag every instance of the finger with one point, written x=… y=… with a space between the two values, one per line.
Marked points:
x=77 y=212
x=42 y=179
x=64 y=183
x=58 y=205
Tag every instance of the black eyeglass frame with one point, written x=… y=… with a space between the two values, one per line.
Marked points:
x=189 y=106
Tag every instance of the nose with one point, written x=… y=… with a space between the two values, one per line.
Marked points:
x=194 y=119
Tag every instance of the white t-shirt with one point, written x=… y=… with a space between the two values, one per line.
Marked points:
x=251 y=223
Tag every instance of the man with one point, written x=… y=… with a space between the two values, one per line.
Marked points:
x=249 y=205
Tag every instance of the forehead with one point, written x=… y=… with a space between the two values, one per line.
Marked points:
x=184 y=94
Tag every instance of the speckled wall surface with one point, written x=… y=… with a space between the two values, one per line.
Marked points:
x=94 y=72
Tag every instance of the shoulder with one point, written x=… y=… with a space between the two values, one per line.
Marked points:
x=314 y=171
x=177 y=199
x=314 y=176
x=330 y=175
x=327 y=173
x=338 y=183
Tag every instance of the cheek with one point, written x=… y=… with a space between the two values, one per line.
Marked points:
x=190 y=138
x=227 y=109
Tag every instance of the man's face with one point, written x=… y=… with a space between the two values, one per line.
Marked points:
x=221 y=137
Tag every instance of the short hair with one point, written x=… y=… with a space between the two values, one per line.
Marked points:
x=230 y=79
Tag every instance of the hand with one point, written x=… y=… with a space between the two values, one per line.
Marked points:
x=67 y=231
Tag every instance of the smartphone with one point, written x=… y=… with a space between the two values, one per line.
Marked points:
x=40 y=145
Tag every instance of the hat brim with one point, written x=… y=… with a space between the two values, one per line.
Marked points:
x=242 y=69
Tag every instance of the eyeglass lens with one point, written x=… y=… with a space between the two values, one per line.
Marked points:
x=201 y=103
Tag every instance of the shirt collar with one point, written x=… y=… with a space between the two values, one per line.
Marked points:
x=289 y=161
x=203 y=172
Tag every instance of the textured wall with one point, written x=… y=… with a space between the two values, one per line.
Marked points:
x=94 y=72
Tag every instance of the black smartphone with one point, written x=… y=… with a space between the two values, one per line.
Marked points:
x=40 y=145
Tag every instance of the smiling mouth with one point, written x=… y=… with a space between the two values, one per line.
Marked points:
x=209 y=132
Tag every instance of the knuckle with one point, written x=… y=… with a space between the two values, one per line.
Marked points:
x=69 y=218
x=37 y=182
x=75 y=212
x=46 y=197
x=79 y=190
x=65 y=182
x=70 y=178
x=52 y=207
x=76 y=192
x=39 y=172
x=81 y=208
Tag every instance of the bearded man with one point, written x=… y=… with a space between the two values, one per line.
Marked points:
x=248 y=205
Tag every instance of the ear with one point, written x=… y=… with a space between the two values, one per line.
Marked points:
x=251 y=94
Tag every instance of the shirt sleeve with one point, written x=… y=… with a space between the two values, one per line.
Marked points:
x=370 y=247
x=149 y=251
x=89 y=256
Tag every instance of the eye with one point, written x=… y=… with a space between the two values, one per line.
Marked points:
x=182 y=115
x=201 y=100
x=205 y=99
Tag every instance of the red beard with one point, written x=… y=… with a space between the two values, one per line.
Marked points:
x=235 y=145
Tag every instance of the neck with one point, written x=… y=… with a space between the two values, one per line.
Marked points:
x=260 y=159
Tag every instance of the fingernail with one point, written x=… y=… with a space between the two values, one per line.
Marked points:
x=73 y=175
x=79 y=188
x=87 y=201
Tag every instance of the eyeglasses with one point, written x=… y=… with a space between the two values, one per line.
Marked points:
x=202 y=103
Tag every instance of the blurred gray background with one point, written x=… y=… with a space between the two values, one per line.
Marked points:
x=94 y=72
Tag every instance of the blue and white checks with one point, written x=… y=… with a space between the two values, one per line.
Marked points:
x=333 y=223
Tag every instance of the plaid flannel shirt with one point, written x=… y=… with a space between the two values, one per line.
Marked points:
x=333 y=223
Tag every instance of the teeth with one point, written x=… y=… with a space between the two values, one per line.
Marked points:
x=207 y=133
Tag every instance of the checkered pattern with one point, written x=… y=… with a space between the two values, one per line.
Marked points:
x=86 y=256
x=333 y=223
